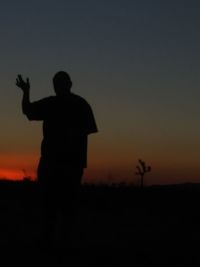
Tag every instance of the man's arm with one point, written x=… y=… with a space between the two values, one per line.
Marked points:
x=36 y=110
x=25 y=87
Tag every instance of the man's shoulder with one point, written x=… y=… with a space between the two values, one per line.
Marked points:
x=79 y=99
x=47 y=99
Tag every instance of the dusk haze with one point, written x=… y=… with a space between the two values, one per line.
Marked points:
x=136 y=62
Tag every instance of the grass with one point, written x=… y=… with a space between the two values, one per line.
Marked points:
x=157 y=226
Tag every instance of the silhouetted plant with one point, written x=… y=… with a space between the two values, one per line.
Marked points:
x=141 y=170
x=26 y=178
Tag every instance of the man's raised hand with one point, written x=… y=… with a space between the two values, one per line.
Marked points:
x=25 y=86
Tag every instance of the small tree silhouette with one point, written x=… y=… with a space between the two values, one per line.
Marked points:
x=26 y=177
x=141 y=170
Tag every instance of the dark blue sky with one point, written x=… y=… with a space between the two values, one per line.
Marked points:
x=136 y=62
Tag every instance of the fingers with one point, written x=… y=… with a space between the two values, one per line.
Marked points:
x=20 y=77
x=21 y=83
x=17 y=82
x=27 y=81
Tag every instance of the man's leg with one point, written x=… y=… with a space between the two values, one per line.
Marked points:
x=48 y=203
x=70 y=204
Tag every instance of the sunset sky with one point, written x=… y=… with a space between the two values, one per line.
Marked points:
x=136 y=62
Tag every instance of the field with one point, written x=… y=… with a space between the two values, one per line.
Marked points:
x=114 y=226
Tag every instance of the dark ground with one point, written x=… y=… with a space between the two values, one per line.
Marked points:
x=115 y=226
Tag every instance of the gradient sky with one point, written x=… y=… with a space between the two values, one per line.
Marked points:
x=136 y=62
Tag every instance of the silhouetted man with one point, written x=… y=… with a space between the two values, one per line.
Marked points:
x=67 y=121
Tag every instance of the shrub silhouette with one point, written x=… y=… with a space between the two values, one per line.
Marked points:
x=141 y=170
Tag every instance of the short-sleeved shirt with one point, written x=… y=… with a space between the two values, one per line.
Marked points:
x=67 y=121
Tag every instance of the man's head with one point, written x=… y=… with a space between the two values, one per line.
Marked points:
x=62 y=83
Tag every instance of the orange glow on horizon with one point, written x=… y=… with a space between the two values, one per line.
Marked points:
x=12 y=174
x=106 y=169
x=17 y=166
